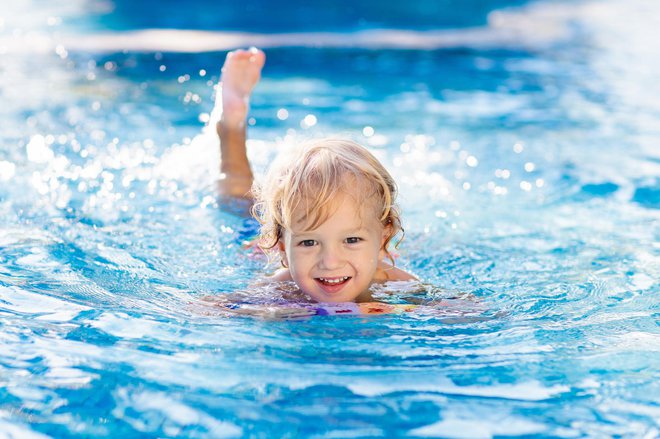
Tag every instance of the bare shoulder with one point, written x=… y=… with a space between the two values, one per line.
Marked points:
x=281 y=275
x=389 y=272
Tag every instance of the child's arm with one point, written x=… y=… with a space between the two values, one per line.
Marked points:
x=227 y=305
x=240 y=74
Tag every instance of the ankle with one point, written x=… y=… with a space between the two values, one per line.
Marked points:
x=234 y=114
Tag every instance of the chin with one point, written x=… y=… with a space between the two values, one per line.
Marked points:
x=321 y=296
x=338 y=298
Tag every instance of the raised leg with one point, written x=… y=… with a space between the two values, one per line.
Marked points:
x=240 y=74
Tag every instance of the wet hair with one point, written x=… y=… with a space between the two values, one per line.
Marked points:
x=301 y=189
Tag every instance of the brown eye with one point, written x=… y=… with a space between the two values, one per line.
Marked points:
x=307 y=243
x=353 y=240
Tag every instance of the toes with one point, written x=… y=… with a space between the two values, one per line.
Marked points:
x=252 y=55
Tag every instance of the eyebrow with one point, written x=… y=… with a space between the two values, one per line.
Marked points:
x=344 y=232
x=357 y=230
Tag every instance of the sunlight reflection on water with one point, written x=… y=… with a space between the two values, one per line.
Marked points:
x=528 y=169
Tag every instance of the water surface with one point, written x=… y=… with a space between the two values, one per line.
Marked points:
x=523 y=137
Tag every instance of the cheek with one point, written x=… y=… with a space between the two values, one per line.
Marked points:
x=288 y=252
x=299 y=262
x=368 y=260
x=379 y=251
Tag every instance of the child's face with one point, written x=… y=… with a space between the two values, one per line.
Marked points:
x=337 y=261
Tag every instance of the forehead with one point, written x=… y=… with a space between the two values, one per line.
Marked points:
x=345 y=210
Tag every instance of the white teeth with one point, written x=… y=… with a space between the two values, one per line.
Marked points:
x=334 y=281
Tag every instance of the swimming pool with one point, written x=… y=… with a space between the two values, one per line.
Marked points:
x=524 y=137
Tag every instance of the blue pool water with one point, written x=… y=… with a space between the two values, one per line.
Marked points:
x=524 y=137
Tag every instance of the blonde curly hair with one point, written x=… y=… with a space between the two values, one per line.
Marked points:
x=305 y=184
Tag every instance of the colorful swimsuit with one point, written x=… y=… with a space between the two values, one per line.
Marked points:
x=329 y=309
x=347 y=308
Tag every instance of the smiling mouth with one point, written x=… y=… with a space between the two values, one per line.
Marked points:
x=333 y=281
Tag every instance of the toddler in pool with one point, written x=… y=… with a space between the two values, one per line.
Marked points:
x=328 y=211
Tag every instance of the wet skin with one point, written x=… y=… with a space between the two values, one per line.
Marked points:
x=340 y=259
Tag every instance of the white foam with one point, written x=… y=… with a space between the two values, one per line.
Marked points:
x=123 y=259
x=454 y=427
x=10 y=430
x=527 y=391
x=21 y=236
x=635 y=341
x=7 y=170
x=38 y=150
x=176 y=412
x=50 y=308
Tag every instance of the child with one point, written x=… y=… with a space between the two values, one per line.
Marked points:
x=328 y=211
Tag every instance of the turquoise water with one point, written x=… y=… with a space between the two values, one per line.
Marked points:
x=524 y=138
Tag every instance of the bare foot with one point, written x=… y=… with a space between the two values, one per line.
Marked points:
x=240 y=73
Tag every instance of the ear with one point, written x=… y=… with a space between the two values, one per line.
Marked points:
x=282 y=251
x=387 y=233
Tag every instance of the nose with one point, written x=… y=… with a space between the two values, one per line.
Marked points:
x=331 y=258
